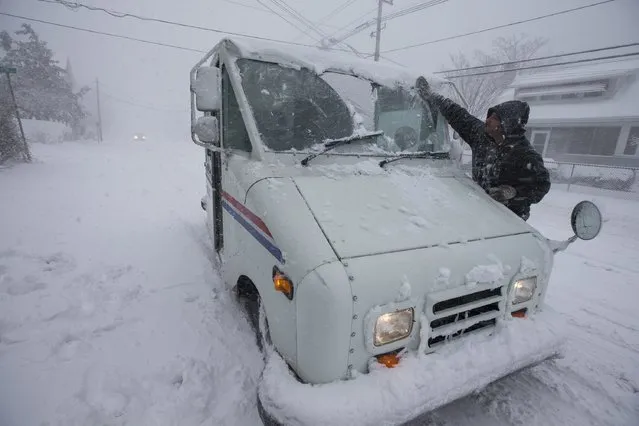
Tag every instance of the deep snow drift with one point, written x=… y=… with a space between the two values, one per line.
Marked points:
x=112 y=313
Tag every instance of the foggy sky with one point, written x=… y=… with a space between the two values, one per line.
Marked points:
x=134 y=73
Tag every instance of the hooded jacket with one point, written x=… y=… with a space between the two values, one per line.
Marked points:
x=513 y=162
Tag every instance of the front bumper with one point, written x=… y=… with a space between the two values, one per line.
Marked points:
x=421 y=382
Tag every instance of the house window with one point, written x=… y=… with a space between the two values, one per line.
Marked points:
x=600 y=140
x=632 y=142
x=584 y=89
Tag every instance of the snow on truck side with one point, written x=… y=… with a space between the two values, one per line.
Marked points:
x=380 y=280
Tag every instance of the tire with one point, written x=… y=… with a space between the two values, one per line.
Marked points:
x=250 y=300
x=265 y=416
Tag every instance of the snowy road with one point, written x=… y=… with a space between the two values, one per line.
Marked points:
x=112 y=314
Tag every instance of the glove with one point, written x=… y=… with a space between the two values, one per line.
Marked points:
x=502 y=193
x=423 y=88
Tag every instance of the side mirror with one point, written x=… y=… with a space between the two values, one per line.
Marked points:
x=206 y=86
x=206 y=130
x=586 y=220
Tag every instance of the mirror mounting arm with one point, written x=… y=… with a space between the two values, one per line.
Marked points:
x=557 y=246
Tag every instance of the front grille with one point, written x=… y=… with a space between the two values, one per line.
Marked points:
x=465 y=299
x=433 y=341
x=454 y=317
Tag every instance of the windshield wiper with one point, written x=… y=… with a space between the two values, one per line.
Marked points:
x=434 y=155
x=334 y=143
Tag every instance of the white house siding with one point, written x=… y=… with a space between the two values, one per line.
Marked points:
x=596 y=128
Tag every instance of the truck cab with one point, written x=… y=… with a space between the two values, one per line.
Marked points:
x=338 y=211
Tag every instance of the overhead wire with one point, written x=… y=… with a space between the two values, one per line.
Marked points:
x=578 y=61
x=108 y=34
x=307 y=23
x=523 y=21
x=412 y=9
x=353 y=21
x=361 y=27
x=541 y=58
x=282 y=17
x=244 y=5
x=298 y=16
x=337 y=10
x=118 y=14
x=104 y=33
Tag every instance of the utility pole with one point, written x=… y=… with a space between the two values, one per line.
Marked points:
x=378 y=33
x=8 y=72
x=97 y=91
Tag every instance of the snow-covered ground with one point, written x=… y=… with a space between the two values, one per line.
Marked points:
x=112 y=313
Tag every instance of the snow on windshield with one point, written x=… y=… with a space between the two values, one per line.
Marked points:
x=293 y=108
x=409 y=125
x=296 y=109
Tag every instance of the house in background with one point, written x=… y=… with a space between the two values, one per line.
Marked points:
x=583 y=114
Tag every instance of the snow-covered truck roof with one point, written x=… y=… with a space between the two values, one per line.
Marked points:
x=321 y=60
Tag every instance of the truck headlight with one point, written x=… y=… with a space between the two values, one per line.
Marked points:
x=393 y=326
x=523 y=290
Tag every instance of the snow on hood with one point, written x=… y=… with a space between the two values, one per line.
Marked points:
x=320 y=60
x=373 y=214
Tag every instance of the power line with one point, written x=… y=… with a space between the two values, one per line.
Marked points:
x=334 y=12
x=361 y=27
x=297 y=16
x=239 y=4
x=337 y=10
x=353 y=21
x=71 y=27
x=412 y=9
x=117 y=14
x=391 y=60
x=499 y=27
x=578 y=61
x=307 y=23
x=76 y=6
x=281 y=16
x=560 y=55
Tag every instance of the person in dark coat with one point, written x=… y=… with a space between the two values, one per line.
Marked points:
x=504 y=163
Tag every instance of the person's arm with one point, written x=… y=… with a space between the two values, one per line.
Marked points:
x=534 y=182
x=469 y=127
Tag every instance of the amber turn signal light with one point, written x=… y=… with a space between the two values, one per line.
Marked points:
x=282 y=283
x=389 y=360
x=519 y=314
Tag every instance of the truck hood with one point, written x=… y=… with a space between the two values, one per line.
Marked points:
x=367 y=215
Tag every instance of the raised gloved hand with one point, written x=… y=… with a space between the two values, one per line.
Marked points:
x=502 y=193
x=423 y=88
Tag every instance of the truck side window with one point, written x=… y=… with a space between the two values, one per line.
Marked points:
x=234 y=133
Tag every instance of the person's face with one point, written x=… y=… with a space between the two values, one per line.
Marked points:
x=493 y=127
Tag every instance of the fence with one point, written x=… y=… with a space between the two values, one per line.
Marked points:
x=615 y=181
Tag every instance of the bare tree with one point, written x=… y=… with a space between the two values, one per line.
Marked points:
x=482 y=91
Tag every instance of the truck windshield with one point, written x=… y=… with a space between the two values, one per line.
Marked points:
x=296 y=109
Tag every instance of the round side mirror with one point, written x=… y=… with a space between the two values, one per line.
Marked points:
x=586 y=220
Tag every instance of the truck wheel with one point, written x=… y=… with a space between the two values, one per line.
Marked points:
x=249 y=298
